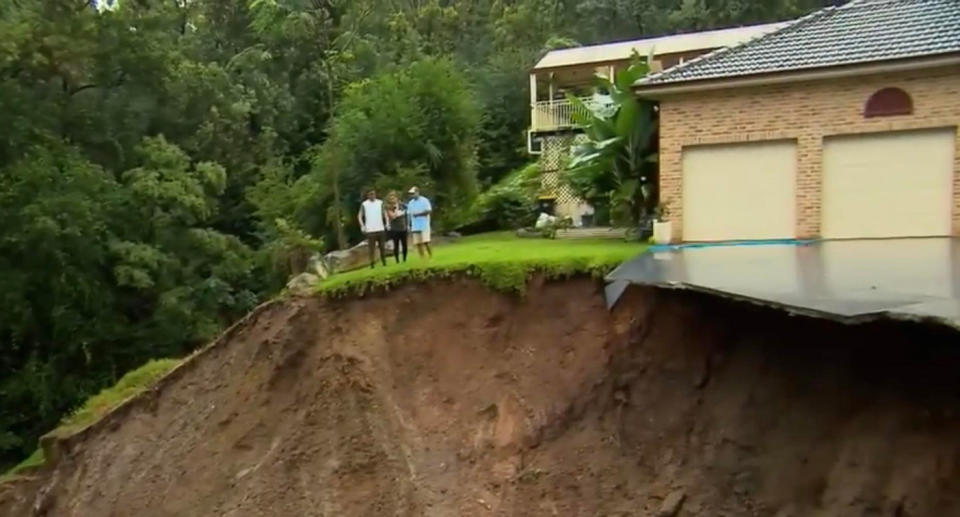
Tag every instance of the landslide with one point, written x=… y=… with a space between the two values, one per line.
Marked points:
x=447 y=399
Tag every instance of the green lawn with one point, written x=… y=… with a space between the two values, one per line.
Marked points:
x=501 y=260
x=129 y=385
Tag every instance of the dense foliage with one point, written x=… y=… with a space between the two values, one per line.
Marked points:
x=511 y=203
x=164 y=164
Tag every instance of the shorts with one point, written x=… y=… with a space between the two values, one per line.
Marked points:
x=421 y=237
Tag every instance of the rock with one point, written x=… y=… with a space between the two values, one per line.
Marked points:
x=336 y=259
x=303 y=283
x=44 y=501
x=317 y=266
x=671 y=505
x=46 y=497
x=348 y=259
x=352 y=258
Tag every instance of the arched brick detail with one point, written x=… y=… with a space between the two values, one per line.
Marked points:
x=888 y=102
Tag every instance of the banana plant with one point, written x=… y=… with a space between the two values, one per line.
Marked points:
x=618 y=162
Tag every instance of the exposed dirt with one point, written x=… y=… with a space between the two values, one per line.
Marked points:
x=448 y=400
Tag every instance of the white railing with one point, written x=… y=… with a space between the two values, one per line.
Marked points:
x=556 y=114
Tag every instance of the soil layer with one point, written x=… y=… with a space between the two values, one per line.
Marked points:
x=448 y=400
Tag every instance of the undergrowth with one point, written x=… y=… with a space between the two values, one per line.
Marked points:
x=501 y=261
x=100 y=404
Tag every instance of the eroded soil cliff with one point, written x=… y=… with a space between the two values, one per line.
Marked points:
x=448 y=400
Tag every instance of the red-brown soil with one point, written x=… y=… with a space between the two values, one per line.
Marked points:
x=448 y=400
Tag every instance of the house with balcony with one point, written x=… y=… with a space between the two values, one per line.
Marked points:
x=553 y=132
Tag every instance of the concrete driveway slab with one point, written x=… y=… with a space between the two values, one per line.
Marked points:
x=848 y=280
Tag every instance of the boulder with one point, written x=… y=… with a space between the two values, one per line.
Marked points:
x=318 y=266
x=303 y=283
x=671 y=505
x=345 y=260
x=349 y=259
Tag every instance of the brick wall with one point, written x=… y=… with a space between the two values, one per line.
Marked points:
x=806 y=113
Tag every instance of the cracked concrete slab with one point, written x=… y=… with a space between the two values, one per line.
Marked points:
x=849 y=280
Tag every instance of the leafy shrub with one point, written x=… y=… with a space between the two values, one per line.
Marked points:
x=618 y=161
x=511 y=203
x=288 y=251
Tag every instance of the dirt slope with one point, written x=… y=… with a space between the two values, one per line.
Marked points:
x=448 y=400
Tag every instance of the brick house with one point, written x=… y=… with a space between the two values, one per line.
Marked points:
x=842 y=124
x=553 y=131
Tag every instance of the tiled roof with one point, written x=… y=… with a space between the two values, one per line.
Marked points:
x=862 y=31
x=622 y=50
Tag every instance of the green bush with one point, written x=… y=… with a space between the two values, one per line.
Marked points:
x=287 y=252
x=511 y=203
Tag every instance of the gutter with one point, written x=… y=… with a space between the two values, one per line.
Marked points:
x=901 y=65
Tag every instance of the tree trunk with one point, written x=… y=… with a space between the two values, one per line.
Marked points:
x=338 y=211
x=337 y=207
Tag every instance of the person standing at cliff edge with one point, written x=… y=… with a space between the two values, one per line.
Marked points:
x=399 y=224
x=420 y=209
x=373 y=222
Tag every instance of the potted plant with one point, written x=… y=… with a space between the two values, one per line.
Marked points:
x=662 y=227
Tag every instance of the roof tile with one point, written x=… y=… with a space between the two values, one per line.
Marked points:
x=862 y=31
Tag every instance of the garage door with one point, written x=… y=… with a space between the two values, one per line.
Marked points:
x=739 y=191
x=896 y=184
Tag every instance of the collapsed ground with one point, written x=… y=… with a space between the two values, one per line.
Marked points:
x=447 y=399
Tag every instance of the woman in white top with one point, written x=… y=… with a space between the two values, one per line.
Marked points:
x=373 y=222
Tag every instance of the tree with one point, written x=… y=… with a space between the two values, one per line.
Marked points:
x=417 y=125
x=613 y=20
x=617 y=163
x=98 y=274
x=58 y=300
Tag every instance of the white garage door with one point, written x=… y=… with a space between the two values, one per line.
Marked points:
x=739 y=191
x=888 y=184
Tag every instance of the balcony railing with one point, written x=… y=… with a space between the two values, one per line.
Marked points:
x=557 y=114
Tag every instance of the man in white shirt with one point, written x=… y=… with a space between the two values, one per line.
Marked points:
x=373 y=222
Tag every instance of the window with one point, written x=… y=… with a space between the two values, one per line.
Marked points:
x=888 y=102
